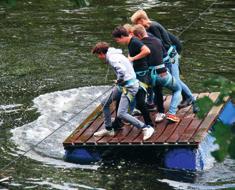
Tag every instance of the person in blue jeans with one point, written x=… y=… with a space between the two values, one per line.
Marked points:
x=172 y=59
x=159 y=73
x=125 y=90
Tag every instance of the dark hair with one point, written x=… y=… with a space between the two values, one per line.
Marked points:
x=100 y=47
x=120 y=31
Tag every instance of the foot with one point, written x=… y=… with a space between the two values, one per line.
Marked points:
x=172 y=118
x=117 y=124
x=148 y=132
x=159 y=117
x=104 y=132
x=185 y=103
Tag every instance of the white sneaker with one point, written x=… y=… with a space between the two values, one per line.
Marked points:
x=148 y=132
x=104 y=132
x=159 y=117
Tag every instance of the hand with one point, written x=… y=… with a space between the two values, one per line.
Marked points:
x=130 y=58
x=120 y=82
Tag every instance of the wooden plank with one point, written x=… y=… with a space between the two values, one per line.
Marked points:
x=174 y=130
x=190 y=130
x=83 y=137
x=82 y=127
x=187 y=119
x=158 y=127
x=121 y=134
x=130 y=136
x=91 y=139
x=209 y=120
x=179 y=130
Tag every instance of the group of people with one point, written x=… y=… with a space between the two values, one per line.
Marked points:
x=152 y=63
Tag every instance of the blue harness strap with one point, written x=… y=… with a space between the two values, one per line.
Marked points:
x=130 y=82
x=154 y=77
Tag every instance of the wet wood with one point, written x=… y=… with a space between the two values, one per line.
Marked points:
x=190 y=130
x=208 y=121
x=192 y=127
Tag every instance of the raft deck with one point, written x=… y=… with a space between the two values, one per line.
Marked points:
x=190 y=131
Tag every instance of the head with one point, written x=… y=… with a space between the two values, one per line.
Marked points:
x=140 y=17
x=100 y=49
x=121 y=35
x=129 y=28
x=139 y=31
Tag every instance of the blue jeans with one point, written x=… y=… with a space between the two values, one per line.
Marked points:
x=123 y=107
x=174 y=70
x=172 y=84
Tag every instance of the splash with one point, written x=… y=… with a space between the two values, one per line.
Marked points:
x=205 y=160
x=55 y=110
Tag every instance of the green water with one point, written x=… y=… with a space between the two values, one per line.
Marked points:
x=45 y=47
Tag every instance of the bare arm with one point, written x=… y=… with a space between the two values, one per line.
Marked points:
x=144 y=52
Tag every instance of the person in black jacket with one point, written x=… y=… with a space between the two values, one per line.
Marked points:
x=172 y=59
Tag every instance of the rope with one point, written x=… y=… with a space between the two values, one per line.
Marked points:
x=107 y=73
x=19 y=157
x=215 y=1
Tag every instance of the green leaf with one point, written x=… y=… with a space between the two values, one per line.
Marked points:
x=223 y=135
x=205 y=104
x=231 y=148
x=219 y=155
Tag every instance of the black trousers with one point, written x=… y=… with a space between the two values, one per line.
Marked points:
x=141 y=105
x=158 y=98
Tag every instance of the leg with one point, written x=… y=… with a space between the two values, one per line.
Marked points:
x=175 y=73
x=123 y=114
x=115 y=95
x=108 y=131
x=172 y=84
x=117 y=123
x=150 y=97
x=158 y=100
x=141 y=105
x=175 y=87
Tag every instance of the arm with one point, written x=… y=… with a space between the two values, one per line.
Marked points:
x=120 y=72
x=143 y=53
x=175 y=41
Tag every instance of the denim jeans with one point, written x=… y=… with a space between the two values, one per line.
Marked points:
x=174 y=70
x=123 y=107
x=172 y=84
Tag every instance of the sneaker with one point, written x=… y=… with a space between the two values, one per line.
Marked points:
x=185 y=103
x=172 y=118
x=159 y=117
x=104 y=132
x=148 y=132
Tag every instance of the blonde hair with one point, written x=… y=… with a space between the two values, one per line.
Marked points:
x=140 y=14
x=128 y=27
x=139 y=30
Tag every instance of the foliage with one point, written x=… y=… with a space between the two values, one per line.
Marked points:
x=225 y=135
x=205 y=104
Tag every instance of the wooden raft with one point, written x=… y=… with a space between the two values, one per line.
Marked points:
x=189 y=131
